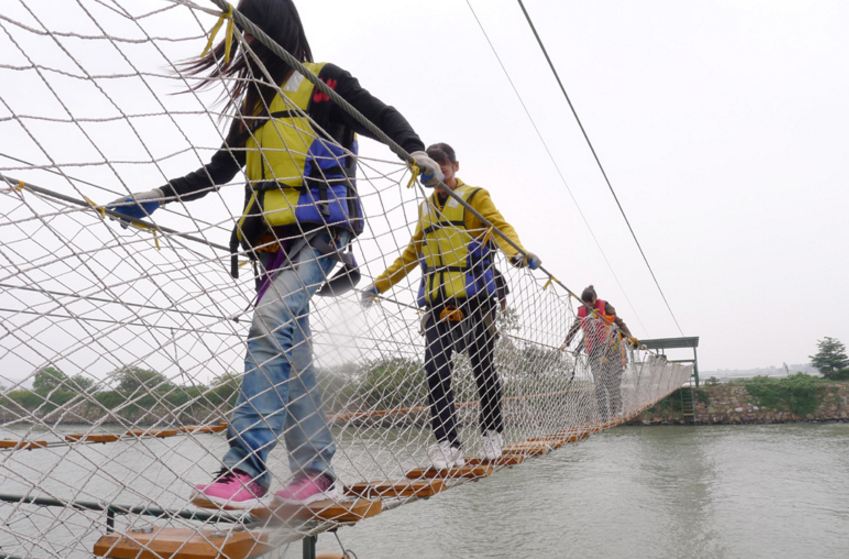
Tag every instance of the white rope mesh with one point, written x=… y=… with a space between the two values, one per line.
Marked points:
x=129 y=335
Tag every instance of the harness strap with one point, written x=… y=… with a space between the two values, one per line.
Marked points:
x=346 y=278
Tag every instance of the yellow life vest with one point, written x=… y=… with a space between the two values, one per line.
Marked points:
x=284 y=152
x=455 y=263
x=299 y=178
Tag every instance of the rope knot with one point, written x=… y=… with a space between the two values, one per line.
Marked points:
x=227 y=16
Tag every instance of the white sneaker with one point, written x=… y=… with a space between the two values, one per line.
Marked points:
x=457 y=458
x=493 y=445
x=443 y=456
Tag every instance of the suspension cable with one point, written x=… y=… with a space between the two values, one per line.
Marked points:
x=598 y=162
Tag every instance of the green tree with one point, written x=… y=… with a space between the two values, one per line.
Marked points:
x=830 y=359
x=48 y=379
x=131 y=380
x=27 y=399
x=80 y=384
x=392 y=382
x=53 y=386
x=224 y=389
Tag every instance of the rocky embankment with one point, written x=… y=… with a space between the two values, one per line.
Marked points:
x=755 y=401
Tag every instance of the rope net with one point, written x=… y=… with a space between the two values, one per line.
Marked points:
x=123 y=349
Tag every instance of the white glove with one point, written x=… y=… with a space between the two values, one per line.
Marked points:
x=430 y=173
x=368 y=297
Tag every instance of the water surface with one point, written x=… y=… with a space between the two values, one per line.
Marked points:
x=661 y=492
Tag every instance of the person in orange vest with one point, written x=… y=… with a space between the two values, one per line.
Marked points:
x=605 y=335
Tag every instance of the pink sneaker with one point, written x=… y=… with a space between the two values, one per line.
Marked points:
x=306 y=489
x=230 y=490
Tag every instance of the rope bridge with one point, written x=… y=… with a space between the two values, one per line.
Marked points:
x=122 y=349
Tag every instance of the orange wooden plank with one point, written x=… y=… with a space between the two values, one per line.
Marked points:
x=182 y=543
x=93 y=437
x=528 y=448
x=23 y=444
x=503 y=460
x=347 y=511
x=163 y=433
x=216 y=428
x=471 y=471
x=404 y=488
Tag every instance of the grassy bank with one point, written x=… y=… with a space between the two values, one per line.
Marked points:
x=798 y=397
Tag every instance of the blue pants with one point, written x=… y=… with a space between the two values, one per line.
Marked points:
x=278 y=395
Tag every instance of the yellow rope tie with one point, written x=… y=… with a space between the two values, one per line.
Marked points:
x=99 y=209
x=550 y=279
x=488 y=235
x=142 y=226
x=228 y=37
x=414 y=174
x=20 y=186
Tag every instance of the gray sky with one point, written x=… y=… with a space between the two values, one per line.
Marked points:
x=721 y=125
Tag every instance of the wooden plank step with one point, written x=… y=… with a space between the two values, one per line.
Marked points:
x=23 y=444
x=571 y=435
x=470 y=471
x=216 y=428
x=562 y=438
x=402 y=488
x=528 y=448
x=182 y=543
x=504 y=460
x=346 y=511
x=93 y=437
x=158 y=433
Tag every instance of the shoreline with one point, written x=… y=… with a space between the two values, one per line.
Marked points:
x=758 y=401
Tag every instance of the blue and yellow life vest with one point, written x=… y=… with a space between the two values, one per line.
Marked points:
x=298 y=177
x=456 y=263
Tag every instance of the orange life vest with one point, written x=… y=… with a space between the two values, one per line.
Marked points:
x=598 y=328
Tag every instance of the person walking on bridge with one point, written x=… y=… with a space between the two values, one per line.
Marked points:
x=459 y=293
x=605 y=335
x=298 y=151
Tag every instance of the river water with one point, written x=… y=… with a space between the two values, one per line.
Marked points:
x=748 y=492
x=719 y=492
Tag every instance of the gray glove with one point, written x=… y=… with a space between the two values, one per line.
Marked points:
x=528 y=259
x=430 y=173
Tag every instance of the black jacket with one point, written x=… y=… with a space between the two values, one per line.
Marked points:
x=230 y=158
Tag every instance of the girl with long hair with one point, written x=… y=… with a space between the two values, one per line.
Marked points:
x=298 y=151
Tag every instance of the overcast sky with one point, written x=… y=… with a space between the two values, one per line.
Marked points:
x=722 y=126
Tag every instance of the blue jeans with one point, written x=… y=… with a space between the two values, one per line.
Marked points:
x=278 y=393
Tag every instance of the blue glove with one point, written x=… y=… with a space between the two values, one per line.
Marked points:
x=528 y=259
x=138 y=205
x=369 y=296
x=430 y=172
